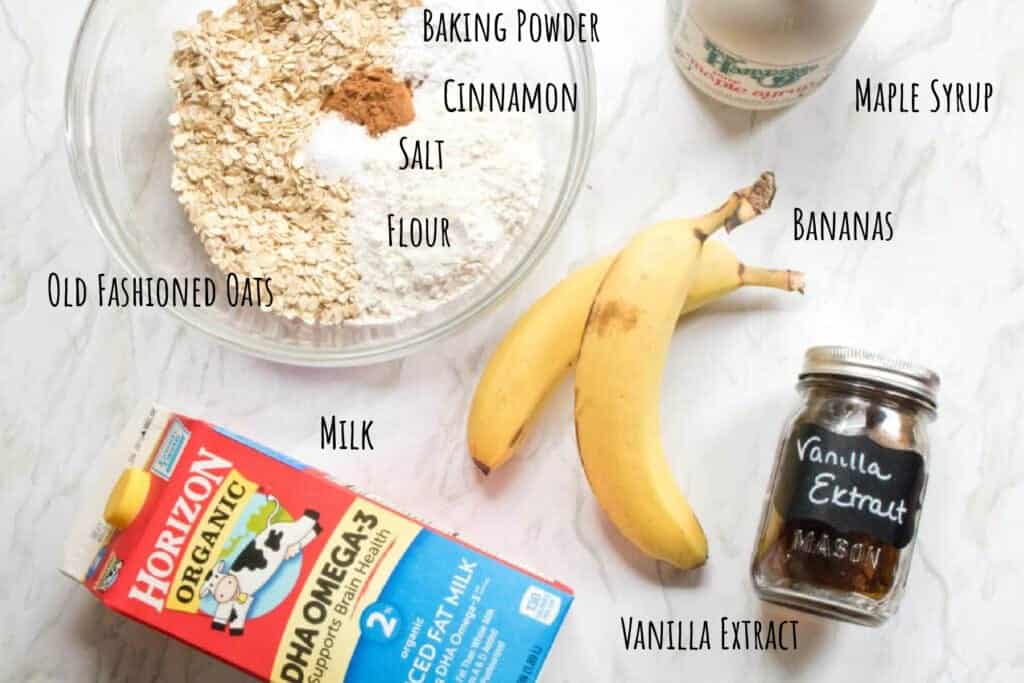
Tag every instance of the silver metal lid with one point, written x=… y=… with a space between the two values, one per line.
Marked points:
x=865 y=365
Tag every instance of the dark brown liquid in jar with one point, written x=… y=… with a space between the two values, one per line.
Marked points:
x=818 y=554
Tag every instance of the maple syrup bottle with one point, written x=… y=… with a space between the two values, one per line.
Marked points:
x=762 y=54
x=842 y=509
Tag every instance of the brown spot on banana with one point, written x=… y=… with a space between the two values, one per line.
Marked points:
x=593 y=306
x=618 y=314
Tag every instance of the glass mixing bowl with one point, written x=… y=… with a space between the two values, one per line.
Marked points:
x=118 y=100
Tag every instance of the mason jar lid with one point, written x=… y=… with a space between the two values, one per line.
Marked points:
x=857 y=364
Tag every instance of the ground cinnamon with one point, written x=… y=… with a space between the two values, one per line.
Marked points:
x=373 y=98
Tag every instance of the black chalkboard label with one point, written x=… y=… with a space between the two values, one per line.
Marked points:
x=851 y=484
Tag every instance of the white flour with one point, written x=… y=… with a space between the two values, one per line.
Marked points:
x=489 y=190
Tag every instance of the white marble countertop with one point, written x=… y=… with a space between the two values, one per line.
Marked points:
x=948 y=291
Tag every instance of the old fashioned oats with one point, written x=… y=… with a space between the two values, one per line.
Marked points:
x=250 y=84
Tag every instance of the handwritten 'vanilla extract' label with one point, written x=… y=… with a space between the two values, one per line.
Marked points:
x=851 y=484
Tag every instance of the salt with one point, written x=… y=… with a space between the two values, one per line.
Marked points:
x=338 y=149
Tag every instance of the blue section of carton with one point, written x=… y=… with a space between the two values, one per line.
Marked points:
x=451 y=613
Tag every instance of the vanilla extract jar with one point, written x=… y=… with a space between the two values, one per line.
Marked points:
x=841 y=515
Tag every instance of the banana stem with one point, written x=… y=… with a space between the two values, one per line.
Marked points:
x=755 y=199
x=742 y=207
x=786 y=280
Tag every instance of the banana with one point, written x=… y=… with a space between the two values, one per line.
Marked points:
x=619 y=376
x=545 y=343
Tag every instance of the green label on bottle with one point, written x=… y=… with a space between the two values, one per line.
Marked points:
x=766 y=77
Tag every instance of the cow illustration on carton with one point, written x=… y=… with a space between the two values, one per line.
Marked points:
x=233 y=587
